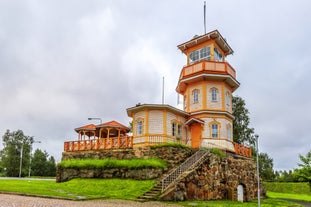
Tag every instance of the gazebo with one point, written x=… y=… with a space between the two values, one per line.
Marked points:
x=108 y=135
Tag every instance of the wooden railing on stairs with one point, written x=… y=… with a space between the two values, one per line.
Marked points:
x=193 y=161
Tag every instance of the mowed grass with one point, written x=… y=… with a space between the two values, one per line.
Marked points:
x=295 y=191
x=113 y=163
x=80 y=188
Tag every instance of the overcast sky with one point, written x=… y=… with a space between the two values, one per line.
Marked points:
x=64 y=61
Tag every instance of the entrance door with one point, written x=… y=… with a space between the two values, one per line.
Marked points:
x=240 y=193
x=196 y=135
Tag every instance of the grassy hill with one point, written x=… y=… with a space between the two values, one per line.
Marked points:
x=296 y=191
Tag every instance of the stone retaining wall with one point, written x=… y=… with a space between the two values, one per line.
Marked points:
x=171 y=155
x=217 y=178
x=137 y=174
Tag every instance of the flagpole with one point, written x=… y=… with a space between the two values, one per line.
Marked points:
x=204 y=13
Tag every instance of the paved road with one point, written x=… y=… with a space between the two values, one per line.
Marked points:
x=304 y=203
x=7 y=200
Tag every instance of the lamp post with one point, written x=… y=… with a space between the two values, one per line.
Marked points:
x=30 y=152
x=96 y=119
x=258 y=177
x=21 y=161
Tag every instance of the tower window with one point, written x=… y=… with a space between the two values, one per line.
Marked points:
x=195 y=95
x=214 y=94
x=229 y=132
x=197 y=55
x=228 y=99
x=217 y=55
x=215 y=130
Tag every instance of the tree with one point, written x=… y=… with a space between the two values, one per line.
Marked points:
x=51 y=167
x=42 y=165
x=242 y=133
x=16 y=146
x=265 y=167
x=304 y=172
x=38 y=165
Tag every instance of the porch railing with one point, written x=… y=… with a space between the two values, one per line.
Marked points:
x=125 y=142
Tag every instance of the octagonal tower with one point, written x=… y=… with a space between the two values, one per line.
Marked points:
x=207 y=83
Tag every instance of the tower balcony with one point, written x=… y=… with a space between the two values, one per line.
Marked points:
x=207 y=70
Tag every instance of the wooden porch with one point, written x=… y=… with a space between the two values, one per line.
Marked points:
x=124 y=142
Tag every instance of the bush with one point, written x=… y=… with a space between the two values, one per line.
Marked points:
x=170 y=144
x=218 y=152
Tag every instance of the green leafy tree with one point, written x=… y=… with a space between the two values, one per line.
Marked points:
x=242 y=133
x=39 y=163
x=304 y=172
x=42 y=164
x=265 y=167
x=16 y=146
x=51 y=167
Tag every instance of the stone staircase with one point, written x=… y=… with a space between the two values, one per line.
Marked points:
x=168 y=180
x=152 y=194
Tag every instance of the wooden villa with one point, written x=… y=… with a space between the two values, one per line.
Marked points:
x=206 y=83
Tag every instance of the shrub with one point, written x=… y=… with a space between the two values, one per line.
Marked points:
x=170 y=144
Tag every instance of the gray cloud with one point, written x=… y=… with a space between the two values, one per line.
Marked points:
x=62 y=62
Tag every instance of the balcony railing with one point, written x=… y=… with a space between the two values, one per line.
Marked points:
x=208 y=66
x=125 y=142
x=228 y=145
x=154 y=139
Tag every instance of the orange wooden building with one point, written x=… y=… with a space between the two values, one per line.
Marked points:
x=206 y=83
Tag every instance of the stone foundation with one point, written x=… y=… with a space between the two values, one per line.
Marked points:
x=172 y=155
x=217 y=178
x=137 y=174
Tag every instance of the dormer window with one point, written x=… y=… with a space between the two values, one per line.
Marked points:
x=201 y=54
x=217 y=55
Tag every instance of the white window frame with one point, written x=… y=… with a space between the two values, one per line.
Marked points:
x=215 y=130
x=229 y=132
x=228 y=99
x=196 y=96
x=139 y=128
x=201 y=54
x=214 y=94
x=217 y=55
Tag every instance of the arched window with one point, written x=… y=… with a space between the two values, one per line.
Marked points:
x=195 y=94
x=215 y=130
x=214 y=94
x=139 y=127
x=229 y=131
x=228 y=99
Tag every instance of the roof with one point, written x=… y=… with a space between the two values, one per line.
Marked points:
x=89 y=127
x=141 y=107
x=213 y=35
x=192 y=119
x=112 y=124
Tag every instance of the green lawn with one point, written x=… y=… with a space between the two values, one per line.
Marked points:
x=113 y=163
x=125 y=189
x=80 y=188
x=295 y=191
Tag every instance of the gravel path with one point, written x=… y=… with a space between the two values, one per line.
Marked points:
x=26 y=201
